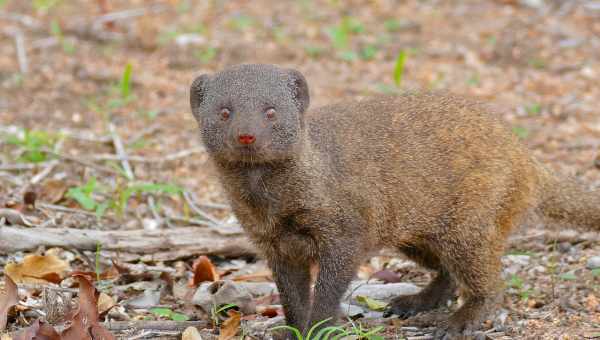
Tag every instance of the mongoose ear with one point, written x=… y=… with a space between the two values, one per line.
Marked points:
x=197 y=91
x=299 y=89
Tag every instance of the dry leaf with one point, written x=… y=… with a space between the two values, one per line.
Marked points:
x=191 y=333
x=591 y=303
x=53 y=191
x=105 y=303
x=85 y=324
x=29 y=198
x=231 y=326
x=7 y=300
x=38 y=330
x=37 y=269
x=203 y=270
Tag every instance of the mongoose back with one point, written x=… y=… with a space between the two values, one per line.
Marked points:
x=435 y=176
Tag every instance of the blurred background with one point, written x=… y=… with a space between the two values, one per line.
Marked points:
x=87 y=84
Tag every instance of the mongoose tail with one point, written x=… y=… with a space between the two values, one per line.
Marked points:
x=565 y=200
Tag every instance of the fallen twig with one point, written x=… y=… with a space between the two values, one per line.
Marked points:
x=18 y=36
x=160 y=244
x=192 y=203
x=142 y=159
x=120 y=149
x=154 y=325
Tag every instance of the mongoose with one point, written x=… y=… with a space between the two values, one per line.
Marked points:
x=435 y=176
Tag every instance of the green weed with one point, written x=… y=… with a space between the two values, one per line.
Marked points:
x=520 y=131
x=333 y=332
x=399 y=67
x=169 y=314
x=215 y=312
x=33 y=142
x=56 y=31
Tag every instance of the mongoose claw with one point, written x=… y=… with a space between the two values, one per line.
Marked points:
x=404 y=307
x=402 y=310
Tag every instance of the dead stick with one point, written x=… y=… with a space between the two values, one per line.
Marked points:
x=154 y=325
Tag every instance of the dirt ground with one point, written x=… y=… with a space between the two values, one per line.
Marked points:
x=536 y=62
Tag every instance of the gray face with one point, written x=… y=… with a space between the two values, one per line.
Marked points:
x=250 y=113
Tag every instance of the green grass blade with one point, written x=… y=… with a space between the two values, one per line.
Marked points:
x=125 y=84
x=326 y=332
x=291 y=329
x=315 y=326
x=399 y=68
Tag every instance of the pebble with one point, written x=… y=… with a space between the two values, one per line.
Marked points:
x=382 y=292
x=593 y=262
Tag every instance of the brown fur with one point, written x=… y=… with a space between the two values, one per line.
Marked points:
x=433 y=175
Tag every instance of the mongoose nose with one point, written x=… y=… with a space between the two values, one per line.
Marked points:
x=246 y=139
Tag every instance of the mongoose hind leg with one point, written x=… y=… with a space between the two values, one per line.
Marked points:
x=475 y=265
x=441 y=289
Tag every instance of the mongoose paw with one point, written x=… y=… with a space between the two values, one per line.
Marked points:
x=404 y=307
x=452 y=330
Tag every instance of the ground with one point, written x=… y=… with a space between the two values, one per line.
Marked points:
x=536 y=63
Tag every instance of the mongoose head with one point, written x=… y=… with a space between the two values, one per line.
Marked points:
x=250 y=113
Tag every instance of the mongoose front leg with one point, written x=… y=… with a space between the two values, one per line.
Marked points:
x=338 y=260
x=293 y=282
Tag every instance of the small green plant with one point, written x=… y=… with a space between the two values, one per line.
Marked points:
x=84 y=194
x=368 y=52
x=533 y=109
x=141 y=188
x=121 y=93
x=537 y=63
x=520 y=131
x=56 y=31
x=333 y=332
x=515 y=282
x=3 y=3
x=241 y=22
x=399 y=67
x=596 y=272
x=568 y=276
x=474 y=80
x=215 y=312
x=340 y=37
x=44 y=5
x=392 y=25
x=518 y=284
x=206 y=55
x=33 y=142
x=169 y=314
x=314 y=51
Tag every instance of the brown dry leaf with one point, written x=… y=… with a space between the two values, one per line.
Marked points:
x=105 y=302
x=37 y=269
x=53 y=191
x=203 y=270
x=85 y=324
x=592 y=303
x=231 y=326
x=7 y=300
x=191 y=333
x=38 y=330
x=29 y=198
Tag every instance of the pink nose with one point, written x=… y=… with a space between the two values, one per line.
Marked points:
x=246 y=139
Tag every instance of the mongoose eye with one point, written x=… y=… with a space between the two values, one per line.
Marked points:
x=225 y=113
x=270 y=113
